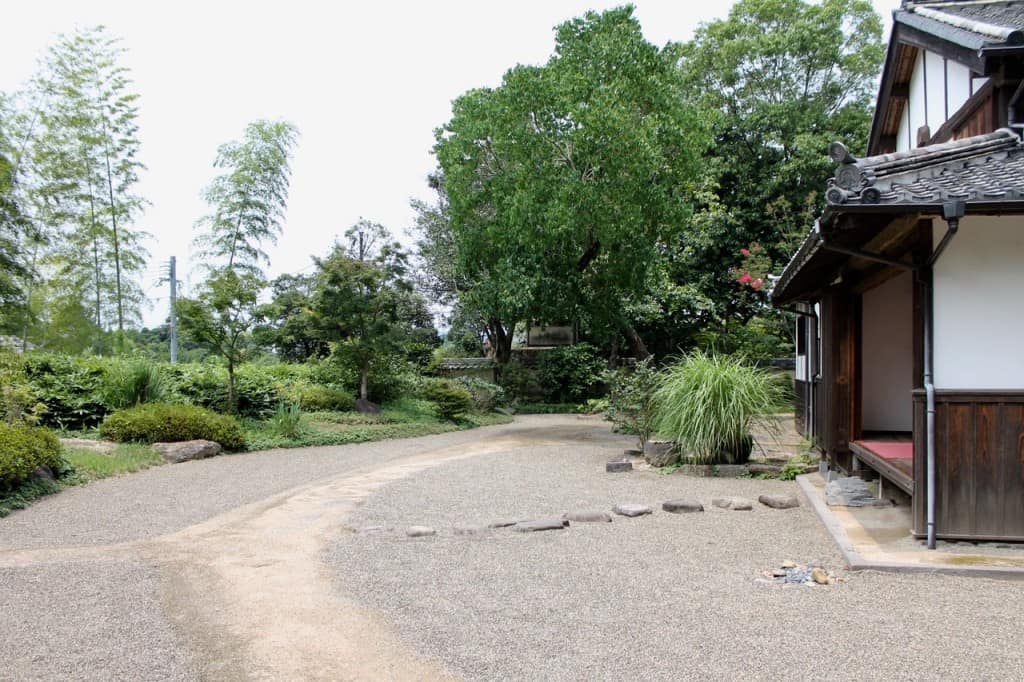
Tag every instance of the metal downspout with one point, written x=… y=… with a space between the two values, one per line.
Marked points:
x=952 y=211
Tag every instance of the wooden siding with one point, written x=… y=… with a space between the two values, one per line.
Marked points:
x=839 y=375
x=979 y=454
x=801 y=399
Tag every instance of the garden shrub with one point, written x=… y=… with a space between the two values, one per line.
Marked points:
x=132 y=382
x=23 y=449
x=72 y=389
x=520 y=382
x=287 y=420
x=162 y=422
x=631 y=399
x=316 y=398
x=571 y=374
x=451 y=401
x=485 y=395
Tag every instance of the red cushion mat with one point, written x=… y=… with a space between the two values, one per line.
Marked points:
x=889 y=449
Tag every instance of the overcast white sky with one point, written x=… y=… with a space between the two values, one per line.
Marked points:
x=366 y=83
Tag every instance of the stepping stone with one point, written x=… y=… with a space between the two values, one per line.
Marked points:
x=779 y=501
x=505 y=523
x=374 y=529
x=420 y=531
x=682 y=506
x=465 y=529
x=617 y=466
x=545 y=524
x=631 y=510
x=851 y=492
x=588 y=517
x=633 y=453
x=734 y=503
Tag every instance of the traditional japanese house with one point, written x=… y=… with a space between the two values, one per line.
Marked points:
x=910 y=286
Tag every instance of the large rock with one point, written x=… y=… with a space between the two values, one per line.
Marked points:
x=632 y=510
x=544 y=524
x=366 y=407
x=682 y=506
x=734 y=503
x=851 y=492
x=779 y=501
x=660 y=453
x=588 y=516
x=186 y=450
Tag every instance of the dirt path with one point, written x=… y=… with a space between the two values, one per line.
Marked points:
x=247 y=592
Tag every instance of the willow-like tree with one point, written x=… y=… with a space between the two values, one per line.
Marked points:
x=84 y=158
x=249 y=198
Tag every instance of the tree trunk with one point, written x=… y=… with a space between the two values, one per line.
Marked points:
x=117 y=243
x=232 y=407
x=636 y=343
x=501 y=340
x=364 y=373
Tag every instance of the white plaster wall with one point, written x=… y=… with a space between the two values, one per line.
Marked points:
x=958 y=80
x=903 y=141
x=887 y=356
x=979 y=305
x=916 y=101
x=935 y=71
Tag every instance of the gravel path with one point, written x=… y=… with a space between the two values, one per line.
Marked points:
x=659 y=597
x=248 y=567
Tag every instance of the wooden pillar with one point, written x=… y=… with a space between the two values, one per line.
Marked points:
x=839 y=316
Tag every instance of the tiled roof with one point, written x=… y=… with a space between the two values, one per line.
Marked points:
x=973 y=24
x=467 y=363
x=985 y=167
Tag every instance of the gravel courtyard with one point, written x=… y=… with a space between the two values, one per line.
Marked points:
x=261 y=566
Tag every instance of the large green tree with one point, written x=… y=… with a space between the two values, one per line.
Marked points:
x=559 y=186
x=84 y=166
x=778 y=80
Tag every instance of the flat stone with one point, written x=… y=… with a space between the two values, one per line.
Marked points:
x=504 y=523
x=779 y=501
x=369 y=530
x=544 y=524
x=186 y=450
x=465 y=529
x=734 y=503
x=788 y=564
x=588 y=516
x=819 y=576
x=632 y=510
x=420 y=531
x=851 y=492
x=779 y=573
x=682 y=506
x=617 y=466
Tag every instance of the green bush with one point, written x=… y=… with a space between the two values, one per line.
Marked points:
x=520 y=382
x=451 y=401
x=23 y=449
x=484 y=395
x=571 y=374
x=72 y=389
x=707 y=404
x=631 y=399
x=315 y=398
x=133 y=382
x=161 y=422
x=287 y=420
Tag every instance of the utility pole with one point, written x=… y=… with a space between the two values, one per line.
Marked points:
x=172 y=277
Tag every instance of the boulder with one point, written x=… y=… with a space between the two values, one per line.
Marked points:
x=682 y=506
x=420 y=531
x=186 y=450
x=589 y=516
x=632 y=510
x=734 y=503
x=779 y=501
x=43 y=472
x=660 y=453
x=366 y=407
x=545 y=524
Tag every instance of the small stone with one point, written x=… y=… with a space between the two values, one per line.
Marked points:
x=545 y=524
x=589 y=516
x=819 y=575
x=779 y=501
x=788 y=564
x=504 y=523
x=632 y=510
x=617 y=466
x=420 y=531
x=778 y=573
x=465 y=529
x=734 y=503
x=682 y=506
x=374 y=529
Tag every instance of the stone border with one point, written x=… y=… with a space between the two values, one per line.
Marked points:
x=856 y=562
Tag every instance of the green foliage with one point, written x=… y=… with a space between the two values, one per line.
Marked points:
x=23 y=449
x=133 y=382
x=485 y=395
x=316 y=398
x=72 y=389
x=451 y=401
x=126 y=458
x=761 y=338
x=707 y=404
x=161 y=422
x=287 y=420
x=571 y=373
x=520 y=382
x=552 y=408
x=631 y=399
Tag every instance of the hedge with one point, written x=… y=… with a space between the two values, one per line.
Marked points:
x=164 y=423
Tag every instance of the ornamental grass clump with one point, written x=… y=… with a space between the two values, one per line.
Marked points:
x=707 y=404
